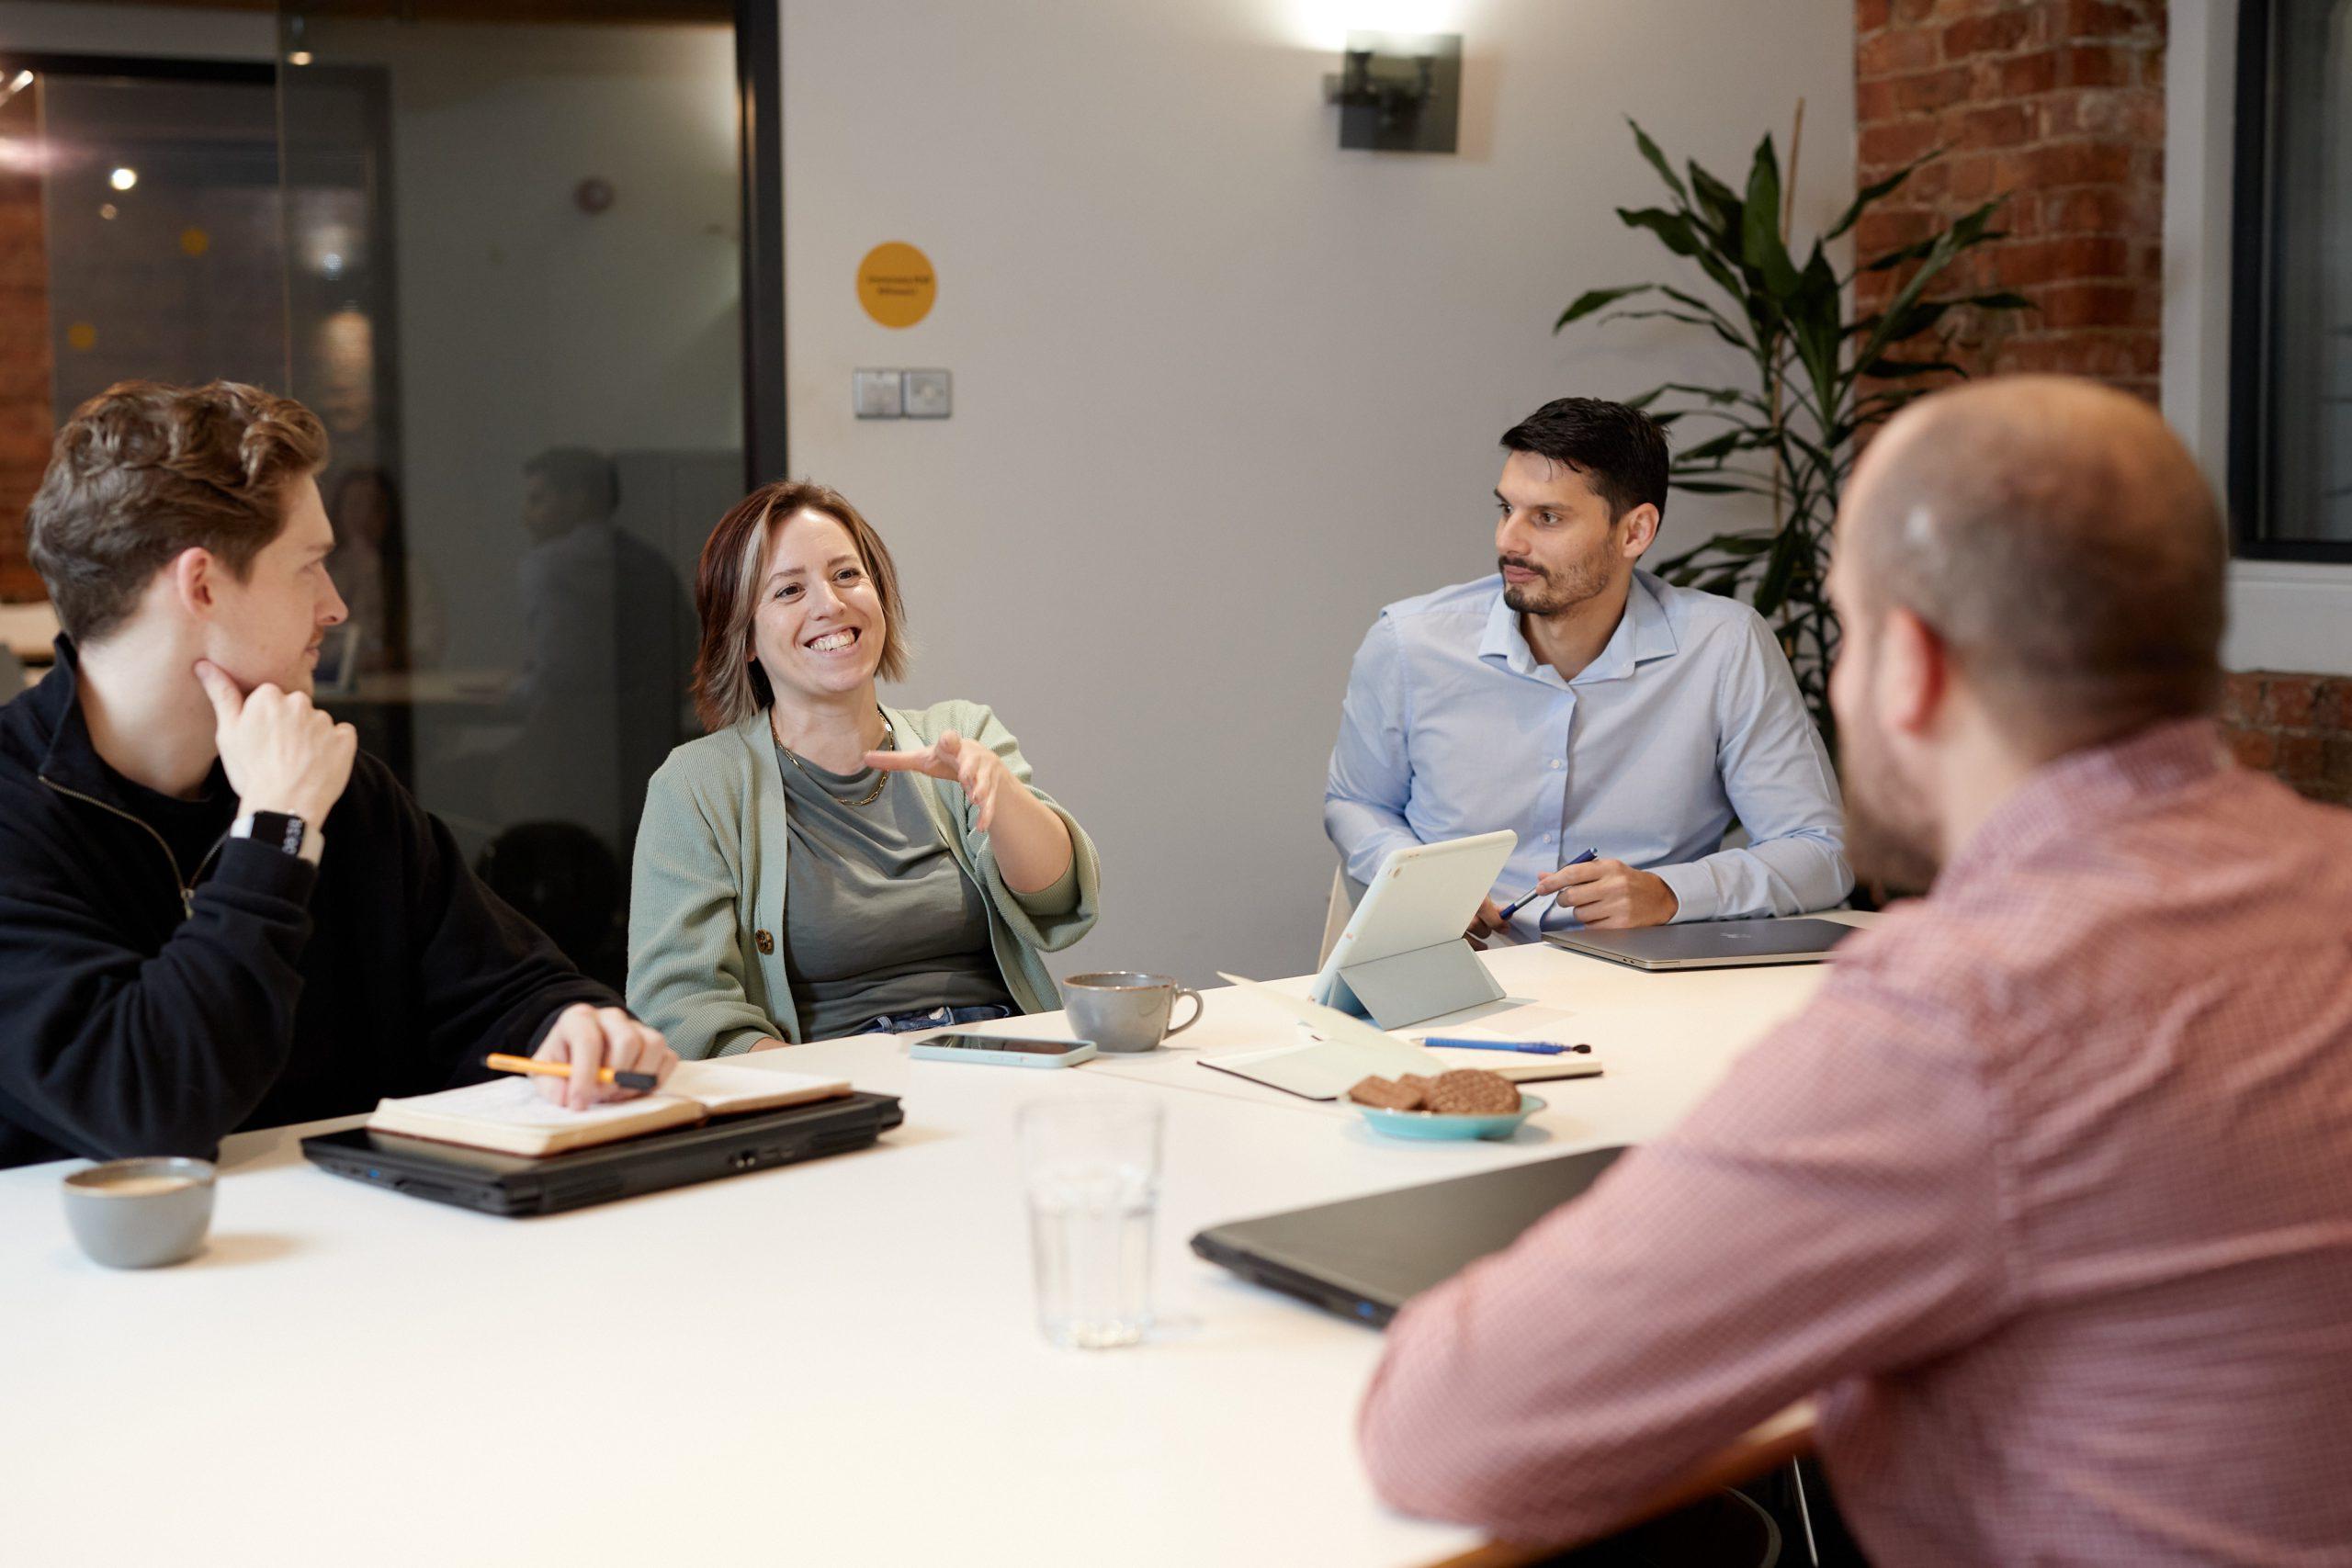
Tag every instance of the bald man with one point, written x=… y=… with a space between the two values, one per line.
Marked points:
x=2048 y=1195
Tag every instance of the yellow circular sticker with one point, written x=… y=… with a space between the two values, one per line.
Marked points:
x=896 y=285
x=81 y=337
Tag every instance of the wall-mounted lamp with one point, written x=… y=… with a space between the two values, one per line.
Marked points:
x=1400 y=92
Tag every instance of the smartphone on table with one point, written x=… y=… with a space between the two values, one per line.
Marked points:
x=1006 y=1050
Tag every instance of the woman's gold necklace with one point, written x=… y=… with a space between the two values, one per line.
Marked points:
x=871 y=795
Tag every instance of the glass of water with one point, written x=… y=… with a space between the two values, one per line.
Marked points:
x=1092 y=1168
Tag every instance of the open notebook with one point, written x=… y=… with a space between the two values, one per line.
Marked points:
x=508 y=1113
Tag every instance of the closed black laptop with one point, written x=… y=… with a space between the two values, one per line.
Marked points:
x=1363 y=1258
x=512 y=1184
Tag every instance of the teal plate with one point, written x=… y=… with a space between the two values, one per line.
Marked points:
x=1433 y=1124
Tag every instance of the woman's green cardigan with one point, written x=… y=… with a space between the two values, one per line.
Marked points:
x=706 y=910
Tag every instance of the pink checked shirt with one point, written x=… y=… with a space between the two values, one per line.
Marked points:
x=2048 y=1195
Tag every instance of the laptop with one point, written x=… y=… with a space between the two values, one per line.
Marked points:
x=1709 y=944
x=1364 y=1257
x=513 y=1184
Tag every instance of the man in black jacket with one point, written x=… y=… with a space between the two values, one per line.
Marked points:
x=214 y=914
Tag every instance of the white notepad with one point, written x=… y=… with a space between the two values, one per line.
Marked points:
x=509 y=1113
x=1350 y=1050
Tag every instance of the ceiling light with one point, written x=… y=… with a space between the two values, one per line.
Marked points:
x=299 y=57
x=123 y=179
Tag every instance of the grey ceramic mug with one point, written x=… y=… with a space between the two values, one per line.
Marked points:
x=1121 y=1010
x=139 y=1214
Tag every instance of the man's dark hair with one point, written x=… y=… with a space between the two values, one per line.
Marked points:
x=589 y=477
x=1622 y=450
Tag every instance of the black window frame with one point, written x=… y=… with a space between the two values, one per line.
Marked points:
x=2252 y=255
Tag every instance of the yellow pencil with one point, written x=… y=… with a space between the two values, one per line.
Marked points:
x=506 y=1064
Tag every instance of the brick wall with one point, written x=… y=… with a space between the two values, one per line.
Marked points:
x=2298 y=727
x=2059 y=103
x=24 y=424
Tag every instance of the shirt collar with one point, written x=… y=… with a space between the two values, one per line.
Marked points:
x=2070 y=796
x=1643 y=634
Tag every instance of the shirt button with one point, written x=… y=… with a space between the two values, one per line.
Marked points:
x=766 y=943
x=1556 y=762
x=1547 y=839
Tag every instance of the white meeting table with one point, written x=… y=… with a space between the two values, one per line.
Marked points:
x=835 y=1362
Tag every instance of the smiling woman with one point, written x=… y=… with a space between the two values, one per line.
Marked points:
x=819 y=864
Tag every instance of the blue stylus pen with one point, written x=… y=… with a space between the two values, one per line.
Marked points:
x=1527 y=1047
x=1516 y=905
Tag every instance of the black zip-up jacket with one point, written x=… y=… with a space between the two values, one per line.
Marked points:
x=145 y=1014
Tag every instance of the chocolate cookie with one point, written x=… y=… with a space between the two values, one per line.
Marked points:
x=1387 y=1094
x=1467 y=1091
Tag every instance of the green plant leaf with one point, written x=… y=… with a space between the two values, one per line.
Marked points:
x=1708 y=487
x=1718 y=205
x=1759 y=242
x=1673 y=228
x=1872 y=194
x=1657 y=160
x=1712 y=450
x=1773 y=590
x=1684 y=316
x=1592 y=299
x=2000 y=299
x=1885 y=368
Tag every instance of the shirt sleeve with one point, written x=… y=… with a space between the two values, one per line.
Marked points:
x=111 y=1052
x=1808 y=1222
x=686 y=963
x=1777 y=774
x=1054 y=918
x=1372 y=775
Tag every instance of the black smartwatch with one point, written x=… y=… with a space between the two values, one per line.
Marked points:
x=279 y=830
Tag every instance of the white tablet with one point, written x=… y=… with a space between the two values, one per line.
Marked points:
x=1419 y=898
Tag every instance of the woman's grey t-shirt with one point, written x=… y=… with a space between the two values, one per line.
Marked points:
x=879 y=918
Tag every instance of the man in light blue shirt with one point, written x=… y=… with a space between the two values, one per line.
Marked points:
x=1585 y=704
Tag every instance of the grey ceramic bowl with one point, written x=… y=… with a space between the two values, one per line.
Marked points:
x=139 y=1214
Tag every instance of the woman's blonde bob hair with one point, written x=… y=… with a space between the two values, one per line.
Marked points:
x=729 y=686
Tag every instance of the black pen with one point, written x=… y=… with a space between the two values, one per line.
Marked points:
x=1516 y=905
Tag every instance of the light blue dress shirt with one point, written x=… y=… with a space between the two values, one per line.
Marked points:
x=1688 y=719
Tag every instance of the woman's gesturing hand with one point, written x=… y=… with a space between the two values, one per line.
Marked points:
x=981 y=771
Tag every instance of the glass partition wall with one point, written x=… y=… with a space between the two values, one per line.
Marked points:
x=501 y=248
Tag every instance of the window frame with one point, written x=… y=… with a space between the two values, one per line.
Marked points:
x=2252 y=373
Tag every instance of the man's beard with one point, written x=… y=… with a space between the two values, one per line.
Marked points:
x=1889 y=835
x=1561 y=589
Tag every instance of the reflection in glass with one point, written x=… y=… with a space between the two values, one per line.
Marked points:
x=513 y=274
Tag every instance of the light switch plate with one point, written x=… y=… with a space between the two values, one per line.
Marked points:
x=928 y=394
x=876 y=394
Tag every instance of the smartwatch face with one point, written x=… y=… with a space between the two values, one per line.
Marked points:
x=278 y=830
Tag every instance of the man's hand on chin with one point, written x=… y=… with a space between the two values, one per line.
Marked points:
x=1609 y=895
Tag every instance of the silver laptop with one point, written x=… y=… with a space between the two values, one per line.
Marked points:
x=1709 y=944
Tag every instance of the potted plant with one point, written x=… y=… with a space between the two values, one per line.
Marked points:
x=1817 y=381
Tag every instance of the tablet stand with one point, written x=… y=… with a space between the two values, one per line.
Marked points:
x=1409 y=987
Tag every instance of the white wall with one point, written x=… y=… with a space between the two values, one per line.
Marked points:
x=1222 y=388
x=2283 y=614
